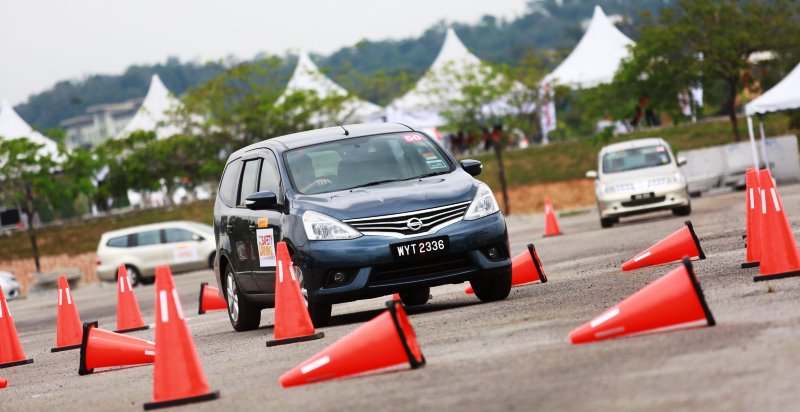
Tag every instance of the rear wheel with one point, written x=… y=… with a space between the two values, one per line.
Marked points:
x=606 y=223
x=133 y=275
x=491 y=288
x=416 y=297
x=244 y=315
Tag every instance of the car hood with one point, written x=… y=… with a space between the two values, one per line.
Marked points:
x=637 y=175
x=390 y=198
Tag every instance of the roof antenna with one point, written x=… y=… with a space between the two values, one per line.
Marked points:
x=346 y=133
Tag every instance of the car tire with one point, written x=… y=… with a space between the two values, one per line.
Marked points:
x=492 y=288
x=416 y=297
x=320 y=313
x=133 y=275
x=243 y=315
x=606 y=223
x=683 y=210
x=147 y=281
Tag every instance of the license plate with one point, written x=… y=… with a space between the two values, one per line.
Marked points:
x=436 y=246
x=643 y=196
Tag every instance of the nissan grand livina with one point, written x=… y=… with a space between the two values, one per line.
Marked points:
x=365 y=210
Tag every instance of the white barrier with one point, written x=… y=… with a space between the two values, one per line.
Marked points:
x=725 y=165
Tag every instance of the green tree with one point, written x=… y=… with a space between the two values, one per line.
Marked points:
x=705 y=42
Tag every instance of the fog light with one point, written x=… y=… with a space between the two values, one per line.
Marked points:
x=493 y=252
x=339 y=277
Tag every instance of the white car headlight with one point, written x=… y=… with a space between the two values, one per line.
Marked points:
x=484 y=204
x=322 y=227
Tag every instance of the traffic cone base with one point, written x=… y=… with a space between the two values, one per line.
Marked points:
x=176 y=402
x=287 y=341
x=701 y=254
x=386 y=341
x=674 y=301
x=145 y=327
x=776 y=276
x=537 y=264
x=63 y=348
x=16 y=363
x=209 y=299
x=747 y=265
x=3 y=383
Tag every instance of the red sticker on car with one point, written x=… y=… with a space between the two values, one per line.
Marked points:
x=412 y=138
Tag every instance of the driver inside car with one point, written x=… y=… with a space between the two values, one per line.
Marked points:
x=305 y=176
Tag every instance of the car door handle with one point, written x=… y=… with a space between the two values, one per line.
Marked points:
x=229 y=226
x=252 y=226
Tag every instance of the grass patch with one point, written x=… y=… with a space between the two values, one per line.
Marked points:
x=76 y=237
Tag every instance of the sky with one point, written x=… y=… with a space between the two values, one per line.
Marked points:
x=45 y=41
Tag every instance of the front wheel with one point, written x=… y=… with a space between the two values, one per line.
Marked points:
x=606 y=223
x=133 y=275
x=320 y=313
x=416 y=297
x=244 y=315
x=493 y=287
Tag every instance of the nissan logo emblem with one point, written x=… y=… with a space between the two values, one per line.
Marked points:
x=414 y=223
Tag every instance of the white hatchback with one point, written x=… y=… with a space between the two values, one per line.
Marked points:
x=639 y=176
x=182 y=245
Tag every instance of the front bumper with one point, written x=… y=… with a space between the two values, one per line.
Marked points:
x=375 y=273
x=621 y=204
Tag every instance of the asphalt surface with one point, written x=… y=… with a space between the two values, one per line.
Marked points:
x=510 y=355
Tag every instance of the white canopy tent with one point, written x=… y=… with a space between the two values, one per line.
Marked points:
x=153 y=115
x=308 y=77
x=420 y=107
x=596 y=57
x=783 y=96
x=12 y=126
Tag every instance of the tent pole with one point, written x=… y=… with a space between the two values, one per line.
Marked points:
x=763 y=141
x=752 y=141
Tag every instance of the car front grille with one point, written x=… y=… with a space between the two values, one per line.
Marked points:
x=398 y=224
x=409 y=271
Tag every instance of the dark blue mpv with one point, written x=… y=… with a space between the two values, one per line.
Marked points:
x=366 y=210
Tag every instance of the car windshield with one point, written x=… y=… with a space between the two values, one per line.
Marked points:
x=636 y=158
x=365 y=161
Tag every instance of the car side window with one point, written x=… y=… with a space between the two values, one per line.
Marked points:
x=249 y=180
x=151 y=237
x=230 y=183
x=270 y=176
x=177 y=235
x=121 y=241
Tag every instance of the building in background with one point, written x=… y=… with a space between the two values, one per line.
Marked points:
x=101 y=122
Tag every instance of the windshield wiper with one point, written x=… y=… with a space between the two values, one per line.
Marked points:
x=433 y=174
x=380 y=182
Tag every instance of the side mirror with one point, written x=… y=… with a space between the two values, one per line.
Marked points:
x=261 y=201
x=591 y=174
x=681 y=161
x=473 y=167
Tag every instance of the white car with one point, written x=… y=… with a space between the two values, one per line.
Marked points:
x=182 y=245
x=10 y=285
x=639 y=176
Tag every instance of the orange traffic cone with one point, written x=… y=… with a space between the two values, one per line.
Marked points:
x=210 y=299
x=525 y=268
x=103 y=348
x=753 y=209
x=550 y=222
x=396 y=296
x=292 y=322
x=674 y=301
x=779 y=256
x=3 y=383
x=11 y=353
x=385 y=341
x=178 y=376
x=129 y=317
x=681 y=244
x=68 y=323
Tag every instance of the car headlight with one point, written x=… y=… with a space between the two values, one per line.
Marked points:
x=322 y=227
x=484 y=204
